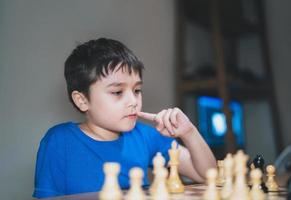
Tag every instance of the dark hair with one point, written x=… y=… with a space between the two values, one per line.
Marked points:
x=95 y=59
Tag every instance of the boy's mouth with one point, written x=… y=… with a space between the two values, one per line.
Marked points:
x=132 y=116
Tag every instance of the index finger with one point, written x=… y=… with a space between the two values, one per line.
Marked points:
x=147 y=116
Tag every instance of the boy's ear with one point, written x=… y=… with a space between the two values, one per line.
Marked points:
x=80 y=100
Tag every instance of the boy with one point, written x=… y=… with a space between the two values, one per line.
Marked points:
x=104 y=81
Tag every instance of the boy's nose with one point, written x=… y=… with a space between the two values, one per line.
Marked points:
x=132 y=100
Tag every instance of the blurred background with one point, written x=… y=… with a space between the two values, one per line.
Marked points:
x=225 y=63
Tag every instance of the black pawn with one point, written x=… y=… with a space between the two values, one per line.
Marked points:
x=259 y=162
x=289 y=189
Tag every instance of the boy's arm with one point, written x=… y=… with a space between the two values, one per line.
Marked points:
x=197 y=157
x=49 y=172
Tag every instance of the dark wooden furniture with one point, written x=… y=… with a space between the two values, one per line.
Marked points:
x=226 y=22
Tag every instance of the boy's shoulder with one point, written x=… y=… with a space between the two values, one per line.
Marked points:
x=61 y=126
x=59 y=132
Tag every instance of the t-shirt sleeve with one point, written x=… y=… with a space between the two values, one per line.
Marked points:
x=157 y=143
x=50 y=168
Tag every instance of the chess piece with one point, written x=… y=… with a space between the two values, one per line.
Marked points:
x=174 y=182
x=259 y=163
x=252 y=166
x=111 y=189
x=228 y=172
x=241 y=190
x=211 y=193
x=288 y=166
x=288 y=185
x=256 y=192
x=136 y=192
x=220 y=179
x=158 y=163
x=271 y=183
x=161 y=191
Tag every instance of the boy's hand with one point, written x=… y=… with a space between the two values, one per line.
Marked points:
x=170 y=122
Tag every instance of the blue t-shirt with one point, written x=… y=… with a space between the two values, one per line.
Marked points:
x=69 y=161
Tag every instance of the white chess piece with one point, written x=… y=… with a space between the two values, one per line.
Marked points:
x=111 y=189
x=174 y=182
x=241 y=190
x=211 y=193
x=256 y=191
x=221 y=174
x=271 y=183
x=136 y=177
x=228 y=172
x=158 y=163
x=161 y=191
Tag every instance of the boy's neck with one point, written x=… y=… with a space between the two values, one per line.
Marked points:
x=97 y=133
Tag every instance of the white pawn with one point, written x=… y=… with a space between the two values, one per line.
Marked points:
x=211 y=192
x=256 y=191
x=111 y=189
x=158 y=164
x=271 y=183
x=228 y=172
x=161 y=191
x=136 y=192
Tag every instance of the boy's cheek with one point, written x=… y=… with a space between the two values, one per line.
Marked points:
x=139 y=108
x=139 y=105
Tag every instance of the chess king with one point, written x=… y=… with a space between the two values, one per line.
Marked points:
x=174 y=182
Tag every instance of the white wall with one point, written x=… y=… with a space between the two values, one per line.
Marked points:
x=260 y=131
x=35 y=39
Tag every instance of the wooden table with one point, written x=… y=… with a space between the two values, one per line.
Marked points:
x=193 y=192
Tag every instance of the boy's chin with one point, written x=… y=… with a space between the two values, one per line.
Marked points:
x=127 y=127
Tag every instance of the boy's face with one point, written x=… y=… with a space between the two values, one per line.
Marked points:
x=114 y=101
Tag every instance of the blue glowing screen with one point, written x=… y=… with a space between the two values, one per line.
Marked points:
x=212 y=121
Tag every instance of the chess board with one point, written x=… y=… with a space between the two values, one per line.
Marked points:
x=196 y=192
x=193 y=192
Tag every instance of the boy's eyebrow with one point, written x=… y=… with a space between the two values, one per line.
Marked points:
x=117 y=84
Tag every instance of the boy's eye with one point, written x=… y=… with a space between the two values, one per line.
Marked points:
x=117 y=93
x=137 y=91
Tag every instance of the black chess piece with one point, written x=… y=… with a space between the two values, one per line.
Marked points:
x=288 y=166
x=289 y=189
x=259 y=162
